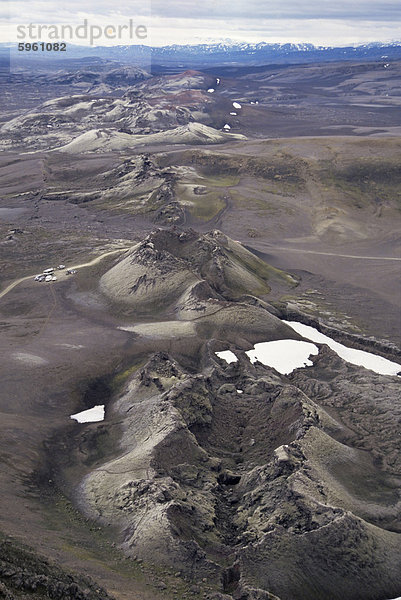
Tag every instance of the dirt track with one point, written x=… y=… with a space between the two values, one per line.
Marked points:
x=302 y=251
x=90 y=263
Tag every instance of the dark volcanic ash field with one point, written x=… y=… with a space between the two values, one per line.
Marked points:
x=205 y=479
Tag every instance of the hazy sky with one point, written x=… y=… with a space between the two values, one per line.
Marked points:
x=334 y=22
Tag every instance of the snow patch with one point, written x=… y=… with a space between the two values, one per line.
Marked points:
x=283 y=355
x=371 y=361
x=92 y=415
x=228 y=356
x=237 y=105
x=211 y=90
x=227 y=126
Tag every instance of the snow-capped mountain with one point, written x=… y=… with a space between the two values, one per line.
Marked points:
x=262 y=53
x=227 y=53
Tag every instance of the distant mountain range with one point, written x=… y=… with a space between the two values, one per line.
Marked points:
x=226 y=54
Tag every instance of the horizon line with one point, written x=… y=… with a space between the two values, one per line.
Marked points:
x=221 y=43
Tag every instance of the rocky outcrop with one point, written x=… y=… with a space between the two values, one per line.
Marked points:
x=24 y=574
x=379 y=346
x=256 y=484
x=197 y=277
x=265 y=491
